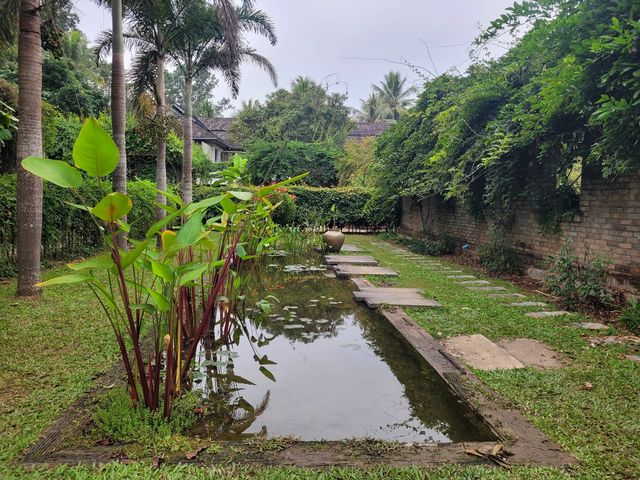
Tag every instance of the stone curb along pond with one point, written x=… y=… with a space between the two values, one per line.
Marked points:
x=343 y=371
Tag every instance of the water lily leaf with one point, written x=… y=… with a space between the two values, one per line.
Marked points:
x=73 y=278
x=112 y=207
x=95 y=152
x=54 y=171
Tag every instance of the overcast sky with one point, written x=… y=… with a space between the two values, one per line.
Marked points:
x=348 y=44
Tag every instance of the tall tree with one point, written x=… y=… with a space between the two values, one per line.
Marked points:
x=395 y=93
x=29 y=143
x=374 y=109
x=118 y=99
x=211 y=38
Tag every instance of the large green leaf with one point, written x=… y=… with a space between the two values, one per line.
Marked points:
x=228 y=206
x=191 y=230
x=54 y=171
x=102 y=262
x=193 y=275
x=159 y=299
x=73 y=278
x=162 y=270
x=95 y=152
x=130 y=257
x=242 y=195
x=112 y=207
x=160 y=224
x=264 y=191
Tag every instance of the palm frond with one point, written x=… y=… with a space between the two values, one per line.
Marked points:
x=259 y=22
x=9 y=16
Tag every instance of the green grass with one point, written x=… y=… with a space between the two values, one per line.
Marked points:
x=55 y=346
x=601 y=427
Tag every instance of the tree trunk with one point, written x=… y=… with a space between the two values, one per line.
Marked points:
x=118 y=103
x=29 y=143
x=161 y=144
x=187 y=130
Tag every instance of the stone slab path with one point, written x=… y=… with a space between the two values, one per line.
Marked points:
x=479 y=352
x=487 y=289
x=528 y=304
x=349 y=248
x=532 y=353
x=350 y=259
x=343 y=271
x=499 y=296
x=546 y=314
x=402 y=297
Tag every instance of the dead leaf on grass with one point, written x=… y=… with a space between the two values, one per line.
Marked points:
x=496 y=454
x=588 y=386
x=155 y=462
x=194 y=454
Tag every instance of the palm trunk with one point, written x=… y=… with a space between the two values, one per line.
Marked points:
x=29 y=143
x=161 y=144
x=187 y=130
x=118 y=103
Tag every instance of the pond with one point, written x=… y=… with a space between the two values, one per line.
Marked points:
x=339 y=371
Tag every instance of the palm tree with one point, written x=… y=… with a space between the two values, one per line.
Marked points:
x=395 y=93
x=209 y=42
x=374 y=109
x=118 y=102
x=25 y=15
x=301 y=84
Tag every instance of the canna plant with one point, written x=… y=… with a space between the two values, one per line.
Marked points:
x=178 y=291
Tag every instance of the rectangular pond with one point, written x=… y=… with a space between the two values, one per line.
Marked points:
x=339 y=370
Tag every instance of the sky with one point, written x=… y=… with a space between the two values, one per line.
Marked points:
x=350 y=44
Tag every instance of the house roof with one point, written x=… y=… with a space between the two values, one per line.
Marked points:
x=368 y=129
x=212 y=129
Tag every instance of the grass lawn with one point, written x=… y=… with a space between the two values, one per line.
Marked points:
x=54 y=347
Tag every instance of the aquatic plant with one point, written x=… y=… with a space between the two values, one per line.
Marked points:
x=179 y=290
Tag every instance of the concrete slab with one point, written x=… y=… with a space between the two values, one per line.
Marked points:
x=528 y=304
x=349 y=248
x=347 y=270
x=499 y=296
x=487 y=289
x=474 y=282
x=403 y=297
x=592 y=326
x=350 y=259
x=479 y=352
x=532 y=353
x=460 y=277
x=546 y=314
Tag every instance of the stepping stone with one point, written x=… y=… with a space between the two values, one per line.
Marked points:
x=346 y=270
x=532 y=353
x=350 y=259
x=329 y=274
x=474 y=282
x=498 y=296
x=479 y=352
x=460 y=277
x=592 y=326
x=404 y=297
x=487 y=289
x=528 y=304
x=349 y=248
x=546 y=314
x=633 y=358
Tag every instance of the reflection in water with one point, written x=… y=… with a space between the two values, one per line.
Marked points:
x=341 y=371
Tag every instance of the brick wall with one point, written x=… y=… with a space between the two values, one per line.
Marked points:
x=608 y=222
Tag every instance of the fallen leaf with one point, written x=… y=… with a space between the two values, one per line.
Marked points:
x=194 y=454
x=104 y=442
x=155 y=462
x=588 y=386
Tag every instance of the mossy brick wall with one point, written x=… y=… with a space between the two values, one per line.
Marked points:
x=608 y=224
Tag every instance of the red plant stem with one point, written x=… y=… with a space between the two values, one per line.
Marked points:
x=135 y=335
x=210 y=304
x=133 y=391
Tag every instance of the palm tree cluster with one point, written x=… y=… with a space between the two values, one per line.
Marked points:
x=389 y=99
x=193 y=35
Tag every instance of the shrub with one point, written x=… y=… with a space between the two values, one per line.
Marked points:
x=313 y=206
x=285 y=214
x=118 y=420
x=630 y=317
x=498 y=256
x=575 y=283
x=276 y=161
x=440 y=244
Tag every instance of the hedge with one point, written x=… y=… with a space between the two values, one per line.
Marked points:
x=67 y=232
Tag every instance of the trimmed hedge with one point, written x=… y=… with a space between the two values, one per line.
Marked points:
x=67 y=232
x=313 y=206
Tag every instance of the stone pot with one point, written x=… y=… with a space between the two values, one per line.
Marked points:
x=333 y=239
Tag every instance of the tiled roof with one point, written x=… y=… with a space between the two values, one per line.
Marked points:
x=212 y=129
x=368 y=129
